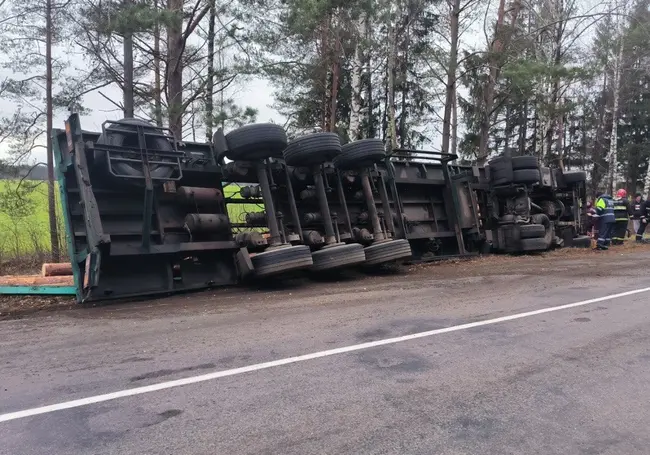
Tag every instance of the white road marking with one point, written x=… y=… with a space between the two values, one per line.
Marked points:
x=301 y=358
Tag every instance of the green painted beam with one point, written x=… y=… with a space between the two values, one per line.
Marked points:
x=38 y=290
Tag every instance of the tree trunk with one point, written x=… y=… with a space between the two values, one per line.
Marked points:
x=157 y=70
x=454 y=124
x=391 y=142
x=324 y=55
x=370 y=99
x=128 y=69
x=355 y=83
x=560 y=136
x=336 y=72
x=51 y=201
x=209 y=86
x=488 y=95
x=523 y=127
x=495 y=68
x=555 y=116
x=450 y=88
x=613 y=143
x=175 y=68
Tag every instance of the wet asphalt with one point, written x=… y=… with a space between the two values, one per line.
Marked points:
x=575 y=381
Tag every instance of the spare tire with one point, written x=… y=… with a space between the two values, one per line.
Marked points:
x=256 y=142
x=360 y=154
x=532 y=231
x=526 y=176
x=312 y=149
x=114 y=135
x=572 y=177
x=525 y=162
x=501 y=170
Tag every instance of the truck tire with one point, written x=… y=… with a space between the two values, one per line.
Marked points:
x=121 y=139
x=360 y=154
x=526 y=176
x=532 y=231
x=256 y=142
x=573 y=177
x=281 y=260
x=392 y=250
x=312 y=149
x=338 y=256
x=501 y=172
x=525 y=162
x=544 y=220
x=538 y=244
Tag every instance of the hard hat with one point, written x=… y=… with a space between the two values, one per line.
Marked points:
x=621 y=193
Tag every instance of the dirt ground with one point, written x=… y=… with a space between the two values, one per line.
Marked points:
x=589 y=263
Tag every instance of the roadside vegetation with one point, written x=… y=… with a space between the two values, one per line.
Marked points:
x=24 y=224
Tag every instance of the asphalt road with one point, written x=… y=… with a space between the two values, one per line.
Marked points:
x=572 y=381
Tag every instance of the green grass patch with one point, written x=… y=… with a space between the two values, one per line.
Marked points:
x=24 y=222
x=237 y=212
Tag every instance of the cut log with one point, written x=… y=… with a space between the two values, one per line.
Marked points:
x=57 y=269
x=36 y=280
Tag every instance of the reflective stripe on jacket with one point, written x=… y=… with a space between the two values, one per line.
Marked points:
x=605 y=208
x=621 y=209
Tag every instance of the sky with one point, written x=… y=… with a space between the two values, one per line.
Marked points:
x=256 y=93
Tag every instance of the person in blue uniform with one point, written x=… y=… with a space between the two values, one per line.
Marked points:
x=606 y=220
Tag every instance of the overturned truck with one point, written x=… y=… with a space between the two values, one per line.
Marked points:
x=147 y=215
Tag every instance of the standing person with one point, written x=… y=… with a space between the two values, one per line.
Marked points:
x=645 y=216
x=622 y=217
x=637 y=213
x=607 y=220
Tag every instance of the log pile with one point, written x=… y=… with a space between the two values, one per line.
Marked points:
x=53 y=274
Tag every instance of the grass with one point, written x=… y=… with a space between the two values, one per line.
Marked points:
x=24 y=223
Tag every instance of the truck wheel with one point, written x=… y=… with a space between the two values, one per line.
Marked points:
x=338 y=256
x=501 y=172
x=256 y=142
x=525 y=162
x=527 y=176
x=532 y=231
x=312 y=149
x=389 y=251
x=360 y=154
x=572 y=177
x=122 y=139
x=281 y=260
x=538 y=244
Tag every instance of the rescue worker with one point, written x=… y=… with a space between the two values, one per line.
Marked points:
x=637 y=213
x=622 y=217
x=645 y=216
x=607 y=220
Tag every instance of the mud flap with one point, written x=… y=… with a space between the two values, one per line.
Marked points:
x=243 y=263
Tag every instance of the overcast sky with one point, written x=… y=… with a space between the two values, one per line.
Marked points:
x=257 y=94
